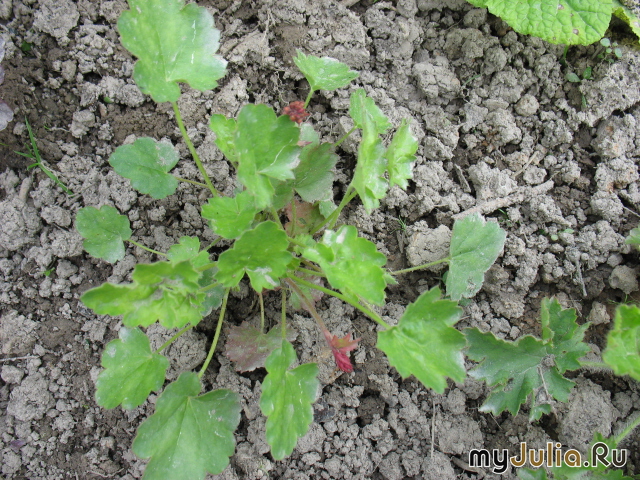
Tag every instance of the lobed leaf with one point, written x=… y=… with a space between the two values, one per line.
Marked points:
x=225 y=130
x=267 y=148
x=400 y=156
x=249 y=346
x=188 y=249
x=475 y=245
x=146 y=164
x=425 y=344
x=287 y=398
x=623 y=342
x=189 y=434
x=314 y=174
x=368 y=178
x=131 y=371
x=360 y=104
x=161 y=291
x=352 y=264
x=261 y=253
x=324 y=73
x=174 y=43
x=230 y=217
x=529 y=366
x=104 y=231
x=571 y=22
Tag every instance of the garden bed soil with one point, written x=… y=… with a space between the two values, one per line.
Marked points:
x=500 y=130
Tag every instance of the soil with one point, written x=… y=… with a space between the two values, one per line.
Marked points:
x=500 y=131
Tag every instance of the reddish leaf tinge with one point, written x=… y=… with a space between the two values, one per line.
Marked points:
x=340 y=347
x=296 y=111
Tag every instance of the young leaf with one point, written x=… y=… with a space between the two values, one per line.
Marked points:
x=314 y=175
x=401 y=155
x=267 y=148
x=132 y=371
x=225 y=130
x=529 y=366
x=174 y=43
x=623 y=342
x=359 y=103
x=160 y=291
x=104 y=231
x=368 y=178
x=425 y=344
x=352 y=264
x=249 y=347
x=634 y=237
x=475 y=245
x=230 y=217
x=571 y=22
x=146 y=163
x=287 y=396
x=188 y=435
x=340 y=347
x=324 y=73
x=261 y=253
x=188 y=249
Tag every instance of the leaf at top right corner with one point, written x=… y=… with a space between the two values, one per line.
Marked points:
x=570 y=22
x=627 y=15
x=623 y=342
x=104 y=231
x=475 y=245
x=324 y=73
x=425 y=343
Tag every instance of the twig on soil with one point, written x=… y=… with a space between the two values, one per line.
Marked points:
x=580 y=280
x=465 y=466
x=10 y=359
x=520 y=196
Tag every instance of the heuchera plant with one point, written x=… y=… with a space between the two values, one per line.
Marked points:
x=285 y=172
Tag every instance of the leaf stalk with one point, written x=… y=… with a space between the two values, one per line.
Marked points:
x=216 y=336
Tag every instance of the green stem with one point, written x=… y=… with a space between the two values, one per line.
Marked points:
x=310 y=272
x=596 y=367
x=344 y=137
x=146 y=248
x=174 y=338
x=216 y=336
x=333 y=218
x=308 y=304
x=192 y=149
x=294 y=217
x=276 y=217
x=629 y=427
x=208 y=266
x=308 y=99
x=190 y=181
x=261 y=312
x=372 y=315
x=419 y=267
x=283 y=320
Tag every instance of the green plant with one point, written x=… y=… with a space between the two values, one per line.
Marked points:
x=34 y=154
x=570 y=22
x=285 y=171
